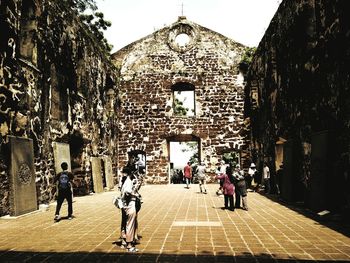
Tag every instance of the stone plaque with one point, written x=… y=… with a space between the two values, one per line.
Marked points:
x=23 y=197
x=108 y=172
x=61 y=153
x=97 y=174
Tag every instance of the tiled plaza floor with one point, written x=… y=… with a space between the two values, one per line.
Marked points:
x=177 y=225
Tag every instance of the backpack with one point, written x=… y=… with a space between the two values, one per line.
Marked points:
x=63 y=181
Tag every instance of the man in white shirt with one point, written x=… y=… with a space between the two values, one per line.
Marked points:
x=266 y=178
x=202 y=178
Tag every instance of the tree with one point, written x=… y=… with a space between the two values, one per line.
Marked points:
x=247 y=58
x=87 y=12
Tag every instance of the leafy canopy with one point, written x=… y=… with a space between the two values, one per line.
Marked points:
x=94 y=20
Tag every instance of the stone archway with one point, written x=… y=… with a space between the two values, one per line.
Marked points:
x=193 y=156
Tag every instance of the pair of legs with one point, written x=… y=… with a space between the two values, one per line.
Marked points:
x=267 y=185
x=202 y=184
x=188 y=182
x=64 y=194
x=228 y=199
x=130 y=226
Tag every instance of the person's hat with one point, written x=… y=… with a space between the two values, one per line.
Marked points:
x=252 y=165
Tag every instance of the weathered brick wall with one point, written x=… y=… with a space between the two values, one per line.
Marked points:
x=298 y=83
x=149 y=67
x=55 y=86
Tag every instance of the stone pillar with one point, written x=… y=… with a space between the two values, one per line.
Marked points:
x=97 y=174
x=108 y=172
x=61 y=153
x=23 y=198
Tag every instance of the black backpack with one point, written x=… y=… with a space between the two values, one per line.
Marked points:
x=63 y=181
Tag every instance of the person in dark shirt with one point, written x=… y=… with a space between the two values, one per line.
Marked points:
x=64 y=187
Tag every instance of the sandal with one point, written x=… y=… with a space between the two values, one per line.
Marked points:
x=133 y=250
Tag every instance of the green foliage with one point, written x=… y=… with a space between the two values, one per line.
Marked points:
x=87 y=11
x=231 y=158
x=248 y=55
x=179 y=109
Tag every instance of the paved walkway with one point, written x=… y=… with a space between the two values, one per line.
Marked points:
x=177 y=225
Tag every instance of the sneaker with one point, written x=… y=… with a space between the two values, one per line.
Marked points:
x=70 y=217
x=57 y=217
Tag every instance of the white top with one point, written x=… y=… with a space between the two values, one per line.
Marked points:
x=201 y=171
x=266 y=172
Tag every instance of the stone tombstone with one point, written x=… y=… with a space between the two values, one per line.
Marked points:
x=61 y=153
x=97 y=174
x=320 y=159
x=23 y=197
x=108 y=172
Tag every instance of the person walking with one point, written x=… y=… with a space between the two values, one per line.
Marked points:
x=228 y=188
x=202 y=177
x=221 y=170
x=188 y=174
x=241 y=189
x=64 y=187
x=250 y=179
x=266 y=178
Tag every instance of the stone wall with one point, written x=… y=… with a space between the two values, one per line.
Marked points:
x=298 y=87
x=56 y=85
x=150 y=70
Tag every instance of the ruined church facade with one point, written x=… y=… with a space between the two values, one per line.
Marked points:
x=178 y=59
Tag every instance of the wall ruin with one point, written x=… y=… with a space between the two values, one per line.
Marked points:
x=152 y=67
x=56 y=85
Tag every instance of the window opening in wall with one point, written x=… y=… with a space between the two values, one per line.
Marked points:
x=184 y=99
x=232 y=157
x=27 y=46
x=138 y=159
x=182 y=39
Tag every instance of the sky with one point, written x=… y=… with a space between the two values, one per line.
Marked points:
x=243 y=21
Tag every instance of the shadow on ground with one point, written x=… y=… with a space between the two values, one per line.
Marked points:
x=22 y=256
x=337 y=222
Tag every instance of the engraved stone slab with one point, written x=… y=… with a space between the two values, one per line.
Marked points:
x=23 y=197
x=108 y=172
x=61 y=153
x=97 y=174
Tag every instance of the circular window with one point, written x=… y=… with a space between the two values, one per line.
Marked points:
x=182 y=37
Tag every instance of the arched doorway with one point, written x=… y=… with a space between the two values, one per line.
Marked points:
x=182 y=148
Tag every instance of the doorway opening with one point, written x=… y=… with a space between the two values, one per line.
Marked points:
x=138 y=159
x=182 y=149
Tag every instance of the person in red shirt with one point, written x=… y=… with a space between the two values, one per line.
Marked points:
x=188 y=174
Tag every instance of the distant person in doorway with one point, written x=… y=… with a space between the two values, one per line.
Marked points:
x=188 y=174
x=241 y=188
x=202 y=177
x=266 y=178
x=228 y=188
x=64 y=187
